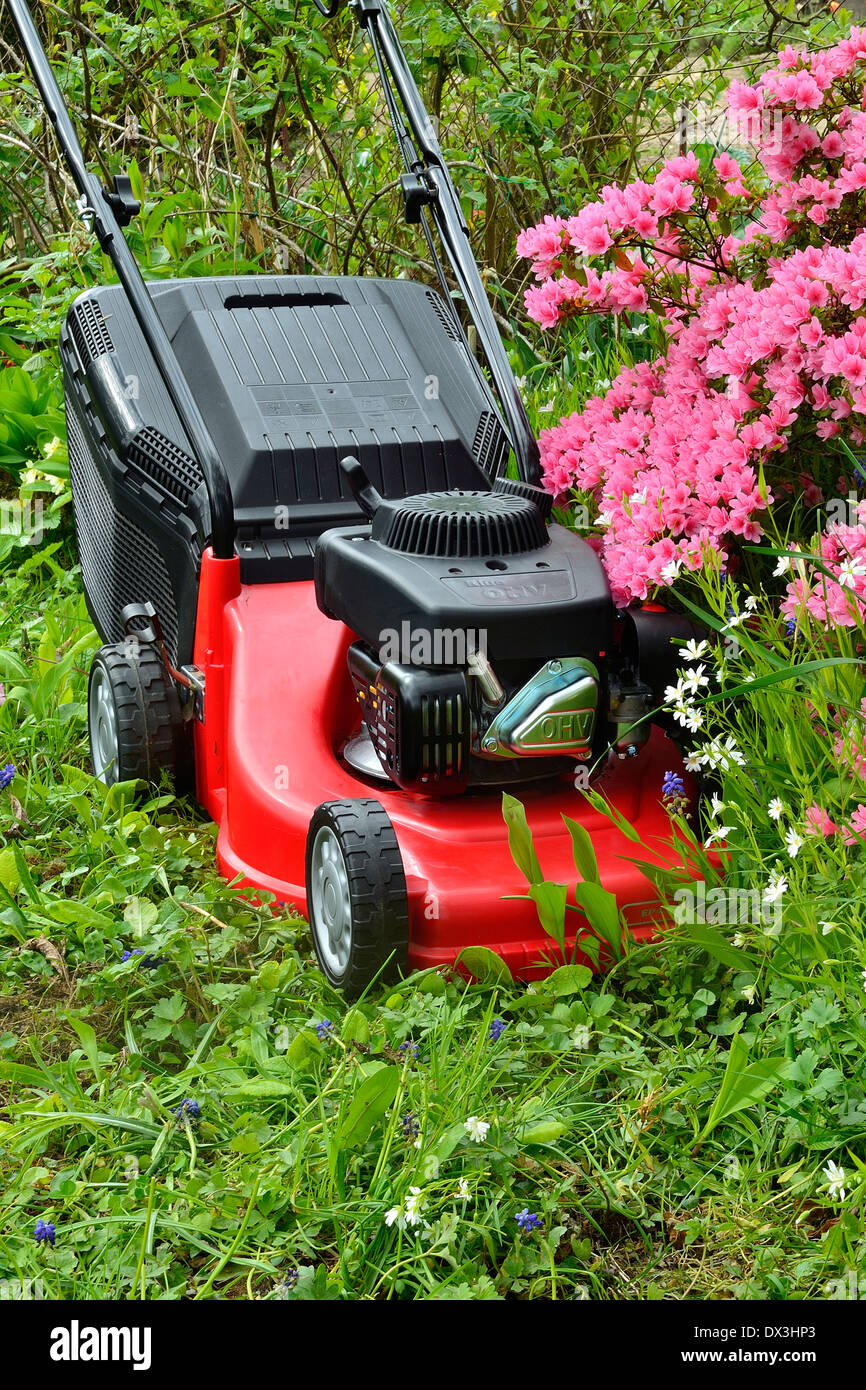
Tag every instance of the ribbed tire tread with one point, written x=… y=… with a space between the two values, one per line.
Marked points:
x=377 y=891
x=152 y=736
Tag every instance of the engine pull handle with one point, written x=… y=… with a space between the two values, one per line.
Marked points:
x=363 y=491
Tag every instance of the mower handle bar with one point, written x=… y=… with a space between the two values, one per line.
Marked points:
x=423 y=158
x=95 y=207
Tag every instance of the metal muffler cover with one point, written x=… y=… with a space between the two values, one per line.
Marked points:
x=554 y=714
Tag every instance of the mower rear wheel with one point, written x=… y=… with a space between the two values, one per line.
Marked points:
x=134 y=719
x=357 y=902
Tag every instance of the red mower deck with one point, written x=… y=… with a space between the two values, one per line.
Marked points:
x=256 y=645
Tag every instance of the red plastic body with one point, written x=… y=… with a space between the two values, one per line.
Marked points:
x=279 y=706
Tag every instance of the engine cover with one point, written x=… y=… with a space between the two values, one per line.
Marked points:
x=528 y=604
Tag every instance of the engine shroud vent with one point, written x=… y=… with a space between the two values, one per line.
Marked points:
x=419 y=721
x=461 y=525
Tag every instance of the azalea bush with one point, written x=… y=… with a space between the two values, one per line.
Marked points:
x=755 y=271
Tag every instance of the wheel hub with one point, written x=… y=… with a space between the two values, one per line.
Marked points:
x=331 y=908
x=102 y=719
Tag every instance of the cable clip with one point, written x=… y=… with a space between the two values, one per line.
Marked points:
x=85 y=211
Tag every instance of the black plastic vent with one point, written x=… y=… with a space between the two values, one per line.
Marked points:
x=489 y=447
x=90 y=331
x=287 y=300
x=161 y=459
x=119 y=563
x=442 y=740
x=419 y=721
x=444 y=317
x=461 y=524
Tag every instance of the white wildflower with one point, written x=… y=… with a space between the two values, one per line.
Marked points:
x=693 y=651
x=689 y=716
x=476 y=1129
x=693 y=680
x=721 y=834
x=775 y=889
x=414 y=1206
x=835 y=1181
x=849 y=572
x=721 y=754
x=793 y=842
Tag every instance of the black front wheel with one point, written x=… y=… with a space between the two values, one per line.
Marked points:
x=134 y=718
x=357 y=902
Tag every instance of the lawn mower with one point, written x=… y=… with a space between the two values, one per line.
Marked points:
x=315 y=545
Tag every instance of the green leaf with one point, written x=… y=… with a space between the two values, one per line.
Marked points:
x=141 y=915
x=78 y=914
x=742 y=1085
x=520 y=839
x=30 y=889
x=13 y=917
x=261 y=1087
x=246 y=1143
x=88 y=1042
x=568 y=979
x=717 y=946
x=542 y=1132
x=550 y=899
x=602 y=913
x=612 y=813
x=303 y=1050
x=172 y=1008
x=584 y=855
x=9 y=876
x=372 y=1099
x=486 y=966
x=355 y=1028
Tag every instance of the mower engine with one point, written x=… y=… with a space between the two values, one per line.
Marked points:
x=485 y=652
